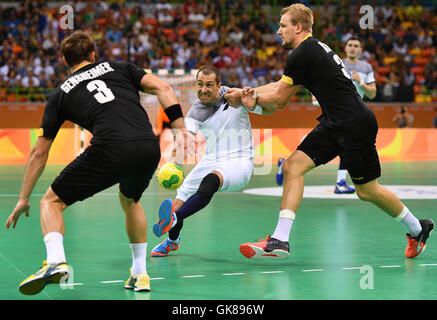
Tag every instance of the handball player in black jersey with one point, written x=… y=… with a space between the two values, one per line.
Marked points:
x=347 y=128
x=102 y=97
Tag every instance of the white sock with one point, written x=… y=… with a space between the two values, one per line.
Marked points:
x=54 y=247
x=139 y=251
x=285 y=222
x=409 y=221
x=341 y=175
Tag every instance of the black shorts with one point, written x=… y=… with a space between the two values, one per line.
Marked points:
x=355 y=146
x=131 y=164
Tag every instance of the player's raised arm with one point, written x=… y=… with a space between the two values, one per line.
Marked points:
x=151 y=84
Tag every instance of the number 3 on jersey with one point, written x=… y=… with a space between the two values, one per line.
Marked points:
x=104 y=94
x=337 y=59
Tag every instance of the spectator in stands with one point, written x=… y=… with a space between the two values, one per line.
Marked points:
x=113 y=34
x=6 y=67
x=403 y=119
x=208 y=36
x=326 y=11
x=410 y=37
x=244 y=23
x=232 y=51
x=149 y=10
x=189 y=6
x=236 y=34
x=243 y=69
x=163 y=5
x=196 y=17
x=30 y=80
x=37 y=33
x=425 y=39
x=221 y=60
x=400 y=46
x=183 y=53
x=13 y=79
x=250 y=81
x=414 y=11
x=192 y=61
x=44 y=67
x=390 y=86
x=431 y=74
x=233 y=81
x=165 y=18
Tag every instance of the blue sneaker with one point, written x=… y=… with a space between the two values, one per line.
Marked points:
x=342 y=187
x=162 y=249
x=166 y=218
x=279 y=173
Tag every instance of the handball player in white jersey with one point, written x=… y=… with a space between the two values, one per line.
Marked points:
x=226 y=166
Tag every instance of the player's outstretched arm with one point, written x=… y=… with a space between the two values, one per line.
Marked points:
x=275 y=95
x=34 y=167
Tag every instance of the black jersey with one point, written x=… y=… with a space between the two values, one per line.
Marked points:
x=103 y=98
x=314 y=65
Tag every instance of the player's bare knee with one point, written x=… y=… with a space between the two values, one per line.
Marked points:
x=125 y=202
x=51 y=199
x=291 y=168
x=364 y=194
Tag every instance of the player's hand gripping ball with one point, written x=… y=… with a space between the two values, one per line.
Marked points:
x=170 y=176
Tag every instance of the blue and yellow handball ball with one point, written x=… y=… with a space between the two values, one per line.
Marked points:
x=170 y=176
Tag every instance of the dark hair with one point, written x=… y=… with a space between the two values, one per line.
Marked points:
x=77 y=47
x=209 y=70
x=353 y=38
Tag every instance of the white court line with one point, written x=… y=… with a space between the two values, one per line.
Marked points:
x=157 y=278
x=233 y=274
x=112 y=281
x=194 y=276
x=312 y=270
x=351 y=268
x=71 y=284
x=397 y=266
x=272 y=272
x=428 y=264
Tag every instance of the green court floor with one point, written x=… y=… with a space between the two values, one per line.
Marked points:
x=340 y=248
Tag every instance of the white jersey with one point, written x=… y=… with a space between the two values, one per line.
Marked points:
x=227 y=130
x=364 y=70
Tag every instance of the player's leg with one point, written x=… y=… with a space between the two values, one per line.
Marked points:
x=168 y=217
x=172 y=242
x=185 y=191
x=277 y=246
x=54 y=268
x=364 y=167
x=136 y=229
x=341 y=186
x=316 y=149
x=418 y=231
x=136 y=181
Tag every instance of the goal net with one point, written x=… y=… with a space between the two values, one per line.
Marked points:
x=182 y=82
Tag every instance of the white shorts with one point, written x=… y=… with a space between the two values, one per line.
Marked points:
x=236 y=175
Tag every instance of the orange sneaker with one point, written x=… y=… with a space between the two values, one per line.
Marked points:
x=417 y=244
x=266 y=248
x=165 y=219
x=162 y=249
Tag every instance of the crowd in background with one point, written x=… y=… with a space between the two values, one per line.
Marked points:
x=238 y=37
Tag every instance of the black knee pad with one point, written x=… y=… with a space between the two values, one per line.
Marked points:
x=209 y=185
